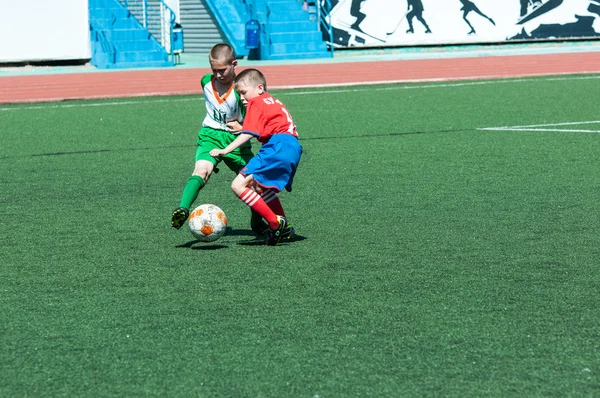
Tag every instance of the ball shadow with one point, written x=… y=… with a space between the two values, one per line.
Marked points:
x=207 y=246
x=255 y=241
x=197 y=245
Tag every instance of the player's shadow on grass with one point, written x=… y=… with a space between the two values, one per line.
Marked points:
x=256 y=241
x=260 y=241
x=196 y=245
x=239 y=232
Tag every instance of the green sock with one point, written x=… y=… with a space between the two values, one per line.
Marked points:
x=191 y=191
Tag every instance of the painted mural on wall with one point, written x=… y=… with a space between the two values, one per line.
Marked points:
x=421 y=22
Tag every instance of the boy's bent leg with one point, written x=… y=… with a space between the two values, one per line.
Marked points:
x=258 y=225
x=277 y=224
x=252 y=199
x=202 y=172
x=191 y=191
x=272 y=200
x=236 y=160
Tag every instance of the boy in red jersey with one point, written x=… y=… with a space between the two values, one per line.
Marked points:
x=273 y=168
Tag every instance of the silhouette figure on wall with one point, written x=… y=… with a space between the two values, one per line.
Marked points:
x=583 y=27
x=525 y=5
x=586 y=14
x=355 y=12
x=469 y=6
x=415 y=11
x=538 y=8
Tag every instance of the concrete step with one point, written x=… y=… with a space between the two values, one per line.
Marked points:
x=308 y=55
x=299 y=47
x=291 y=37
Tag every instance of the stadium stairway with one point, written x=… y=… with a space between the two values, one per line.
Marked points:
x=230 y=17
x=201 y=31
x=289 y=30
x=118 y=39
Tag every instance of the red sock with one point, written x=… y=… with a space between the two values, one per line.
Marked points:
x=272 y=200
x=256 y=203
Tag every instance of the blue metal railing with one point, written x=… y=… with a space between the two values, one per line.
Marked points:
x=324 y=18
x=247 y=4
x=265 y=31
x=231 y=16
x=107 y=47
x=159 y=21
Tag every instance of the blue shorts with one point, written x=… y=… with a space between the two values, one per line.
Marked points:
x=274 y=166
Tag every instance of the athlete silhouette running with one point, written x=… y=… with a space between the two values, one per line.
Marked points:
x=355 y=12
x=469 y=6
x=416 y=11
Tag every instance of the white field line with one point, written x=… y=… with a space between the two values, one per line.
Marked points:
x=395 y=86
x=114 y=103
x=536 y=127
x=557 y=130
x=489 y=79
x=340 y=89
x=549 y=124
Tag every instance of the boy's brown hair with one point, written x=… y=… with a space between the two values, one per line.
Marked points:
x=251 y=77
x=222 y=53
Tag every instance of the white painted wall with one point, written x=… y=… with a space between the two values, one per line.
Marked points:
x=174 y=5
x=44 y=30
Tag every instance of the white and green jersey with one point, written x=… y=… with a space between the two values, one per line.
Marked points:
x=220 y=109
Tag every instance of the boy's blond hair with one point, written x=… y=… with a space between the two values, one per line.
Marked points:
x=222 y=53
x=251 y=77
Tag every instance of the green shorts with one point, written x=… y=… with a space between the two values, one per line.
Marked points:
x=209 y=138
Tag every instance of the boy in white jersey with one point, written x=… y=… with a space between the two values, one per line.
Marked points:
x=224 y=114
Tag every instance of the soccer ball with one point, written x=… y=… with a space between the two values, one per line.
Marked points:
x=207 y=223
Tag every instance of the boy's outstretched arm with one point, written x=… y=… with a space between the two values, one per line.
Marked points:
x=241 y=139
x=234 y=127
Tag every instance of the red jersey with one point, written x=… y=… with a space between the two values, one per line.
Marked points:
x=266 y=116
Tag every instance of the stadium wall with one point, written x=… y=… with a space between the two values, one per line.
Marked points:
x=56 y=30
x=386 y=23
x=44 y=30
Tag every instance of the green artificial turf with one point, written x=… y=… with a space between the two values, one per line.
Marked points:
x=434 y=257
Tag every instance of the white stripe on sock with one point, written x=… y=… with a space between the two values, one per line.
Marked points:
x=253 y=200
x=250 y=197
x=268 y=196
x=246 y=194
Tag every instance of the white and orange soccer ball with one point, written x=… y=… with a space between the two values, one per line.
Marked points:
x=207 y=223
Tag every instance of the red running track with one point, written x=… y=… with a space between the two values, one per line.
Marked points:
x=175 y=81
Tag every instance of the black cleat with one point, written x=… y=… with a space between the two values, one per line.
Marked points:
x=289 y=233
x=179 y=216
x=275 y=234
